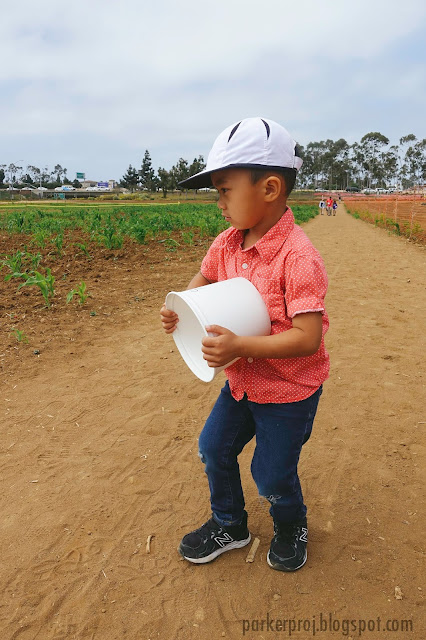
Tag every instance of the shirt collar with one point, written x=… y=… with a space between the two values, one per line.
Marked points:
x=271 y=242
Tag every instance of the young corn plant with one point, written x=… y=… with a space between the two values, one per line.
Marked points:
x=58 y=242
x=188 y=237
x=83 y=249
x=14 y=264
x=35 y=259
x=39 y=238
x=19 y=335
x=81 y=292
x=44 y=282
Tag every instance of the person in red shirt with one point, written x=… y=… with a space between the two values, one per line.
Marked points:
x=273 y=389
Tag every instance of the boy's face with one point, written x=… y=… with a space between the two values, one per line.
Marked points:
x=242 y=203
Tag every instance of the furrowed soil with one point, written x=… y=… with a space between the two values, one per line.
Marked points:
x=100 y=420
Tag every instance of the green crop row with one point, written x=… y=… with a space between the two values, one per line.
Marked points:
x=108 y=226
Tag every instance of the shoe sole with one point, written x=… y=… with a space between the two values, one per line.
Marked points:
x=237 y=544
x=280 y=567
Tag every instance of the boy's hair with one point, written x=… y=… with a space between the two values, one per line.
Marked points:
x=288 y=175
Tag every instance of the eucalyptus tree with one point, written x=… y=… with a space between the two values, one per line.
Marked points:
x=389 y=162
x=14 y=173
x=59 y=172
x=313 y=172
x=35 y=174
x=405 y=145
x=415 y=159
x=371 y=144
x=355 y=176
x=338 y=163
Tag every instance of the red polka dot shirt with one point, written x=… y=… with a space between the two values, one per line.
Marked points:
x=290 y=275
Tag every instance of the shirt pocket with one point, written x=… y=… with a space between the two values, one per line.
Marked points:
x=273 y=296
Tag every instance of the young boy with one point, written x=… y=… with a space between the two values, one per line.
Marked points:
x=272 y=391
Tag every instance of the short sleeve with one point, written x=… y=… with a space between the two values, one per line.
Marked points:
x=212 y=259
x=305 y=284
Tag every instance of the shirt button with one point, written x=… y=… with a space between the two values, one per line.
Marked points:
x=250 y=360
x=244 y=265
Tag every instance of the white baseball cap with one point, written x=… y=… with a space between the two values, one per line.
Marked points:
x=252 y=143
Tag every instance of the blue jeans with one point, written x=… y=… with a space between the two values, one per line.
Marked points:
x=280 y=429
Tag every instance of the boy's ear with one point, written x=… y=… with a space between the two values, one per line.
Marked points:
x=274 y=187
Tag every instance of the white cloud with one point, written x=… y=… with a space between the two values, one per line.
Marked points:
x=170 y=75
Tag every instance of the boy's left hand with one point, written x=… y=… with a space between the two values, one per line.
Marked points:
x=220 y=349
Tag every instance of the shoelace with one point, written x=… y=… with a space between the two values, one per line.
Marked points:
x=209 y=529
x=287 y=533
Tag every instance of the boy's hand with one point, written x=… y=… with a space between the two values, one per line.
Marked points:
x=220 y=349
x=169 y=319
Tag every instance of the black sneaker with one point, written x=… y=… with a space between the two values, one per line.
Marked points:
x=210 y=540
x=288 y=546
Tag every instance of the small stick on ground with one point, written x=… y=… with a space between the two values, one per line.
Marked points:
x=148 y=543
x=251 y=554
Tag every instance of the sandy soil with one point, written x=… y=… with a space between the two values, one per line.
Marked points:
x=99 y=451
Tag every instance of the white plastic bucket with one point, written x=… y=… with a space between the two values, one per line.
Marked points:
x=235 y=304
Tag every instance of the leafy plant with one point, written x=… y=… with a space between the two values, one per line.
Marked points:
x=188 y=237
x=35 y=259
x=19 y=335
x=58 y=241
x=44 y=282
x=14 y=263
x=39 y=238
x=81 y=292
x=83 y=249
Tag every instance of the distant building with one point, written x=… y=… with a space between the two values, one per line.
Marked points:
x=93 y=183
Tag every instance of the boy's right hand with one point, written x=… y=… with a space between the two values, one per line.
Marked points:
x=169 y=319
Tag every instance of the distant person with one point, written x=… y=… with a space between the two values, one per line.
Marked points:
x=273 y=390
x=329 y=205
x=321 y=206
x=334 y=207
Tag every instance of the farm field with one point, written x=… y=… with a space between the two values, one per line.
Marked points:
x=99 y=449
x=404 y=216
x=53 y=255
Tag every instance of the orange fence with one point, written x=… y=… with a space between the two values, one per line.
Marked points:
x=404 y=215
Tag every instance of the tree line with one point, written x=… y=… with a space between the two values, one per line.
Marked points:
x=15 y=176
x=370 y=163
x=327 y=164
x=148 y=180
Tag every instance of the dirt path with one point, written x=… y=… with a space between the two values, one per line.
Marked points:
x=99 y=451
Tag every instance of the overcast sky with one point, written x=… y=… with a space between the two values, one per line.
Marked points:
x=91 y=84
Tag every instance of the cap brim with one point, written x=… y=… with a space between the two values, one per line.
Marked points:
x=198 y=181
x=204 y=178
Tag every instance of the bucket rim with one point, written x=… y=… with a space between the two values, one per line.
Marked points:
x=210 y=372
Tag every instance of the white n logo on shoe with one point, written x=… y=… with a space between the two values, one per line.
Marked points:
x=224 y=539
x=304 y=535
